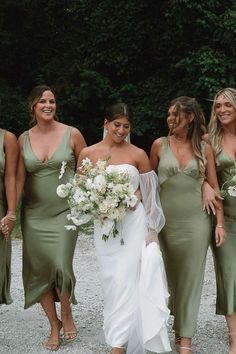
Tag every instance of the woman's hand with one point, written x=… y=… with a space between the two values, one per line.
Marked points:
x=6 y=227
x=220 y=235
x=210 y=198
x=139 y=198
x=151 y=237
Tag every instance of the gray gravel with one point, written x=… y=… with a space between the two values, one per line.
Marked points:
x=24 y=331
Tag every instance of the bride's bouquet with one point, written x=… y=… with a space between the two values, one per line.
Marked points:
x=229 y=186
x=99 y=194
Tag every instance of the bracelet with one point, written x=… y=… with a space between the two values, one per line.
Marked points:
x=220 y=226
x=10 y=217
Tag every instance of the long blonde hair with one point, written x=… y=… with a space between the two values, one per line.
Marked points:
x=197 y=127
x=215 y=128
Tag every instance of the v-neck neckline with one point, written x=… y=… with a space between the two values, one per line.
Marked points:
x=177 y=161
x=52 y=155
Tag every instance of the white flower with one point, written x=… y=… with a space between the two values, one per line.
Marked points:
x=86 y=163
x=131 y=201
x=62 y=170
x=70 y=227
x=232 y=191
x=63 y=190
x=111 y=169
x=99 y=183
x=101 y=164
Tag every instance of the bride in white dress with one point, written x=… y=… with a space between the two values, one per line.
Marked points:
x=132 y=275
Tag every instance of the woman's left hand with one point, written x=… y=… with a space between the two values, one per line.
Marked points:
x=220 y=236
x=151 y=237
x=210 y=198
x=139 y=198
x=6 y=227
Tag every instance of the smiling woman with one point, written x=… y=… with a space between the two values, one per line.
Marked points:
x=222 y=135
x=182 y=162
x=132 y=319
x=47 y=248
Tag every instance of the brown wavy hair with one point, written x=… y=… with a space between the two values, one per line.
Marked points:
x=34 y=98
x=197 y=127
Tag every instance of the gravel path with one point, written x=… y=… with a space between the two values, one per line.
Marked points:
x=24 y=331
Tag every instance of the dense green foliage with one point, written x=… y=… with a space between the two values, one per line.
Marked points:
x=95 y=52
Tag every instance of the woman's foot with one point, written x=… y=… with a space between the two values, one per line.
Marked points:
x=185 y=346
x=118 y=350
x=53 y=342
x=185 y=350
x=70 y=331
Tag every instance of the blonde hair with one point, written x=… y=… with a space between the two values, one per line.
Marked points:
x=197 y=127
x=215 y=127
x=34 y=98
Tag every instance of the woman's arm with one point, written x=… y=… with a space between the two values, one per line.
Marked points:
x=11 y=158
x=77 y=142
x=211 y=176
x=155 y=154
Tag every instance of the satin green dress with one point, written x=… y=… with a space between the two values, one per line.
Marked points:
x=184 y=239
x=5 y=246
x=48 y=248
x=225 y=255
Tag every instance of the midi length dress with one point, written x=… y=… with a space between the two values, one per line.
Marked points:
x=48 y=248
x=184 y=239
x=5 y=246
x=133 y=281
x=225 y=255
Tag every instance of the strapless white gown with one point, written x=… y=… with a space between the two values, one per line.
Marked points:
x=134 y=284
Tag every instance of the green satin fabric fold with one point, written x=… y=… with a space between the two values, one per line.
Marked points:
x=225 y=256
x=48 y=248
x=5 y=246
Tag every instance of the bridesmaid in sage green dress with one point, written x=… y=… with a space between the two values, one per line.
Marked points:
x=222 y=135
x=48 y=248
x=8 y=163
x=182 y=161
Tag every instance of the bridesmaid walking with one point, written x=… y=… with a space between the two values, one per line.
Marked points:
x=48 y=248
x=222 y=135
x=182 y=162
x=8 y=164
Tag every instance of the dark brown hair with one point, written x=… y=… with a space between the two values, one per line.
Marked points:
x=118 y=110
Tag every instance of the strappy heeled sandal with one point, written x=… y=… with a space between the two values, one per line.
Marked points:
x=52 y=344
x=177 y=342
x=185 y=348
x=71 y=334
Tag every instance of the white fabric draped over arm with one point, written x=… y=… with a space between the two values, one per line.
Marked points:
x=149 y=186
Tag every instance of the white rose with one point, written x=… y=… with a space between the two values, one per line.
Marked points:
x=100 y=183
x=63 y=190
x=232 y=191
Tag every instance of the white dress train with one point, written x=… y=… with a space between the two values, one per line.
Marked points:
x=133 y=276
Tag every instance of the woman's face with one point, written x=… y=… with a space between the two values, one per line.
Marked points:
x=118 y=129
x=177 y=122
x=45 y=108
x=225 y=111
